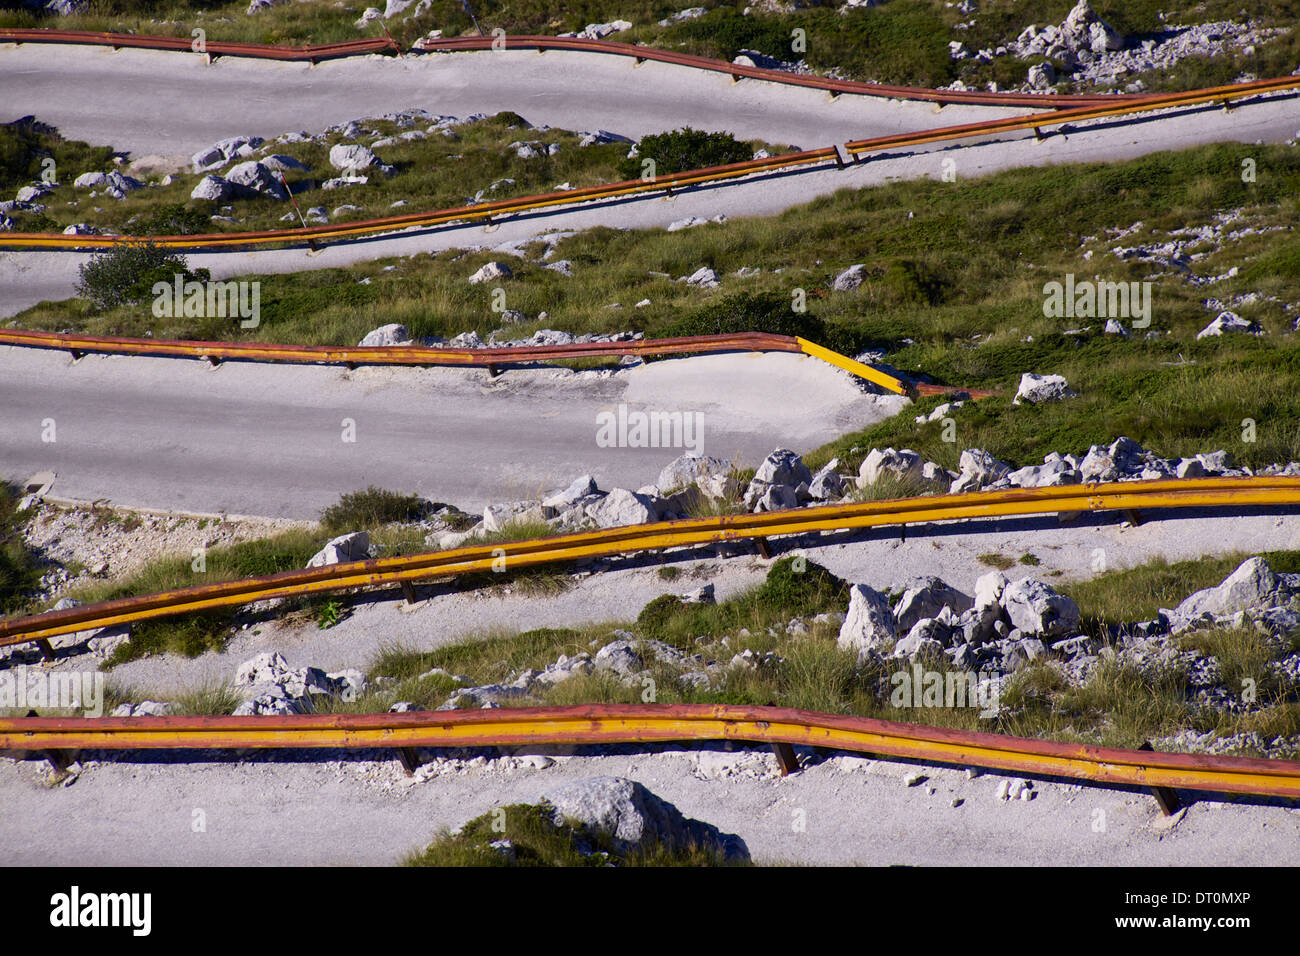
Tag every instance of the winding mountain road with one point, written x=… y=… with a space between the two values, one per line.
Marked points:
x=167 y=105
x=211 y=439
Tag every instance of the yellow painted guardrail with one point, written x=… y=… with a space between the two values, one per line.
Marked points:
x=710 y=176
x=587 y=724
x=79 y=344
x=1219 y=493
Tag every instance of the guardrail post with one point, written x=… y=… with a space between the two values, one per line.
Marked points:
x=408 y=591
x=409 y=758
x=763 y=549
x=60 y=760
x=785 y=757
x=47 y=651
x=1166 y=798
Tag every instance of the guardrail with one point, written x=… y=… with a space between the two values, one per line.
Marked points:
x=490 y=358
x=327 y=51
x=213 y=48
x=1231 y=493
x=855 y=150
x=622 y=723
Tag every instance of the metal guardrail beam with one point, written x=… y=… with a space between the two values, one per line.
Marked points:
x=393 y=354
x=217 y=352
x=618 y=723
x=1037 y=121
x=1228 y=493
x=312 y=235
x=213 y=48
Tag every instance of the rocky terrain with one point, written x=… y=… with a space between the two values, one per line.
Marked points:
x=1084 y=50
x=81 y=545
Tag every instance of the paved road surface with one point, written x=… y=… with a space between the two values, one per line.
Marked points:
x=268 y=440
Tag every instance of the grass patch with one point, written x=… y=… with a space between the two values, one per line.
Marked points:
x=486 y=659
x=215 y=699
x=681 y=150
x=370 y=509
x=1133 y=594
x=794 y=587
x=19 y=571
x=995 y=559
x=31 y=151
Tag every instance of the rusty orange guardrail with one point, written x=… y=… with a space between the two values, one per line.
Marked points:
x=714 y=175
x=310 y=235
x=665 y=723
x=1222 y=95
x=213 y=48
x=491 y=358
x=1230 y=493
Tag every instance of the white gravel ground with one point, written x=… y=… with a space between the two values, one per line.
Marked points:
x=847 y=810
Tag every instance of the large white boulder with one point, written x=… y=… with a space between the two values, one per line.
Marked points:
x=632 y=818
x=1227 y=322
x=687 y=469
x=869 y=623
x=351 y=157
x=490 y=272
x=354 y=546
x=620 y=508
x=783 y=467
x=905 y=464
x=392 y=334
x=1036 y=389
x=1252 y=586
x=1038 y=610
x=978 y=468
x=850 y=278
x=581 y=487
x=926 y=598
x=212 y=188
x=113 y=183
x=253 y=177
x=1084 y=30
